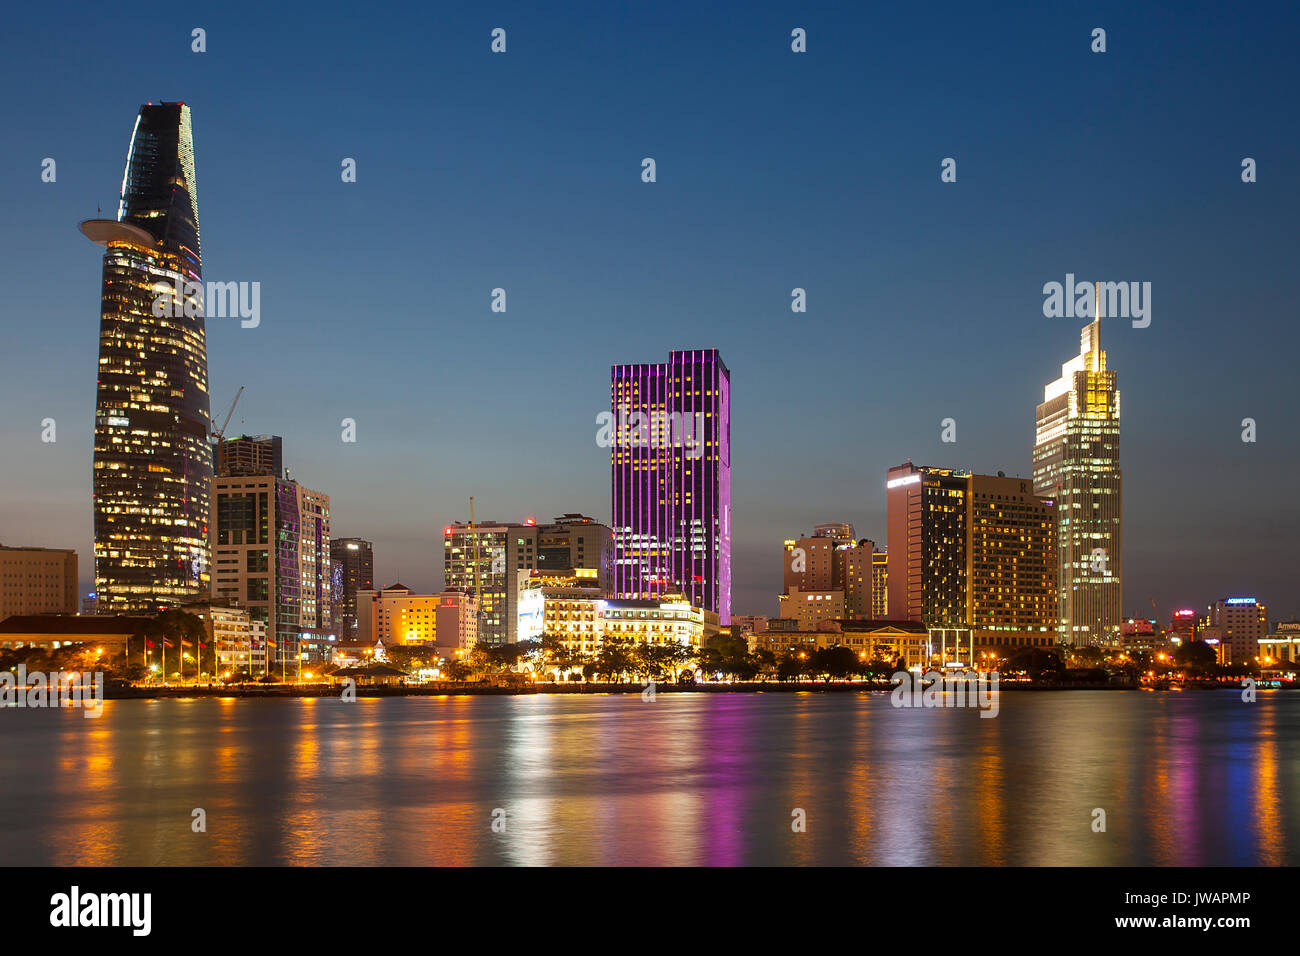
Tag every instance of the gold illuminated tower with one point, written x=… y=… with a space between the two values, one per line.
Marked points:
x=1076 y=462
x=152 y=463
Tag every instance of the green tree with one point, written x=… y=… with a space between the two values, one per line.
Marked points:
x=1195 y=656
x=615 y=659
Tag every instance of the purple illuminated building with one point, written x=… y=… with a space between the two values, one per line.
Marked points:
x=671 y=479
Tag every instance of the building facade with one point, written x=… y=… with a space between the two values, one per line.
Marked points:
x=152 y=460
x=927 y=510
x=239 y=641
x=1076 y=462
x=1242 y=622
x=397 y=615
x=581 y=620
x=879 y=585
x=810 y=608
x=352 y=569
x=494 y=561
x=251 y=455
x=810 y=564
x=972 y=553
x=37 y=581
x=670 y=457
x=871 y=640
x=271 y=552
x=856 y=563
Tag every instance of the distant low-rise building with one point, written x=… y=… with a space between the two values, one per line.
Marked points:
x=581 y=620
x=1282 y=646
x=810 y=608
x=398 y=615
x=870 y=640
x=746 y=624
x=1242 y=623
x=240 y=640
x=51 y=632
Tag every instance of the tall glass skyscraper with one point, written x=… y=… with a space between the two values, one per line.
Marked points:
x=1076 y=462
x=152 y=463
x=671 y=480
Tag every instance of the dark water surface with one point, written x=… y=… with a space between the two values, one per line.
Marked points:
x=1192 y=778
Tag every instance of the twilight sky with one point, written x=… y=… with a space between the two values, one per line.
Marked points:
x=775 y=170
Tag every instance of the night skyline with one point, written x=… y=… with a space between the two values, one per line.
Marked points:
x=924 y=298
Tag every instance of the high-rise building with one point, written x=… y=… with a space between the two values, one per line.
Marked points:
x=37 y=581
x=855 y=563
x=152 y=460
x=927 y=510
x=352 y=569
x=972 y=552
x=880 y=584
x=271 y=553
x=494 y=561
x=1242 y=623
x=1011 y=561
x=671 y=479
x=251 y=455
x=1076 y=462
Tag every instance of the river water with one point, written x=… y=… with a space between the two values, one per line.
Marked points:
x=1191 y=778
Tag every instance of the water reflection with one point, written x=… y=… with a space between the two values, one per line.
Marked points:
x=686 y=779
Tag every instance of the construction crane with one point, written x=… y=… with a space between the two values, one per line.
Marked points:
x=216 y=434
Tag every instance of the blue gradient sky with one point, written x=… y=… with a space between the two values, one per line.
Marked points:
x=775 y=170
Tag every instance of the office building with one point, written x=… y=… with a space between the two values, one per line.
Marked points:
x=670 y=460
x=494 y=561
x=243 y=455
x=152 y=460
x=972 y=553
x=271 y=554
x=352 y=569
x=37 y=581
x=1076 y=463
